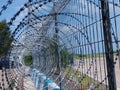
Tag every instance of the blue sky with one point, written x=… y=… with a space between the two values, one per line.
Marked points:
x=17 y=4
x=12 y=9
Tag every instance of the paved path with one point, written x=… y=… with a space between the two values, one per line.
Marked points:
x=1 y=82
x=28 y=84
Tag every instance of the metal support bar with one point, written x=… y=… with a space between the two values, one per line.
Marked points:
x=57 y=41
x=108 y=45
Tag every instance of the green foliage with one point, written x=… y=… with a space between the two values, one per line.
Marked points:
x=4 y=38
x=78 y=56
x=28 y=60
x=66 y=57
x=12 y=83
x=76 y=76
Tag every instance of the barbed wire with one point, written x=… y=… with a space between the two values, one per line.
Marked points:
x=4 y=7
x=82 y=24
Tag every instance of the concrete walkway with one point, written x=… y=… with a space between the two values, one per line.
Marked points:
x=28 y=84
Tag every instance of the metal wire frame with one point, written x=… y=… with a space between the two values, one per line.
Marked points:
x=4 y=7
x=83 y=35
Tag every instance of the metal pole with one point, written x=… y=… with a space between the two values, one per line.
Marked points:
x=57 y=40
x=29 y=11
x=108 y=45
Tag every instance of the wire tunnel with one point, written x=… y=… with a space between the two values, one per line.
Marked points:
x=72 y=43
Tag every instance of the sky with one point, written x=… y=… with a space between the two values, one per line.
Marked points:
x=17 y=4
x=12 y=9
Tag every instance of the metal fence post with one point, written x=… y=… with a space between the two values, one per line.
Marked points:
x=108 y=45
x=57 y=41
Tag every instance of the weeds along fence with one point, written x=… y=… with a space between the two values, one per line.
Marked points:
x=76 y=43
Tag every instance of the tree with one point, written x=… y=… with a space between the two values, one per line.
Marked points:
x=4 y=38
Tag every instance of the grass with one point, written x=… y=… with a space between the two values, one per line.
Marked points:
x=78 y=56
x=83 y=80
x=12 y=85
x=99 y=55
x=76 y=76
